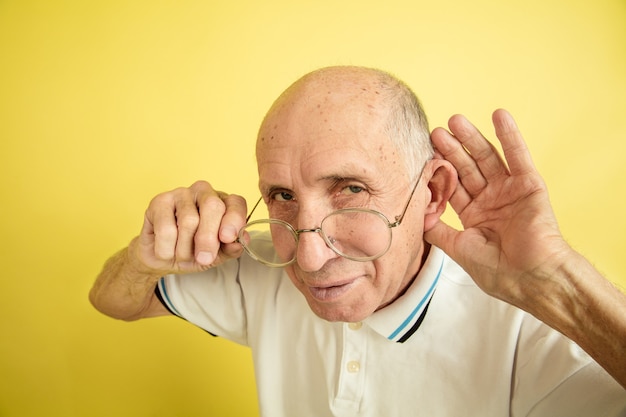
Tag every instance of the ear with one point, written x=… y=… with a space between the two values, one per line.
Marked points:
x=442 y=183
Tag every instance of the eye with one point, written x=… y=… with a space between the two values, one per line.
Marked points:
x=282 y=196
x=351 y=193
x=352 y=189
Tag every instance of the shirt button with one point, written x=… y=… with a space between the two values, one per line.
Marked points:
x=355 y=326
x=353 y=367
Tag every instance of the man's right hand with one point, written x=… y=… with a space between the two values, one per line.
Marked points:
x=189 y=230
x=185 y=230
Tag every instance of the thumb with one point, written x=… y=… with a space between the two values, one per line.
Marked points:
x=442 y=236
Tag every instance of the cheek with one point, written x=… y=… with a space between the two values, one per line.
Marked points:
x=284 y=242
x=411 y=239
x=297 y=282
x=293 y=277
x=402 y=262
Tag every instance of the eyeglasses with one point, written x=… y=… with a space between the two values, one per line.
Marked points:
x=357 y=234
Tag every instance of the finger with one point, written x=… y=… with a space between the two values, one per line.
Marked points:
x=234 y=218
x=211 y=209
x=481 y=150
x=442 y=236
x=452 y=149
x=460 y=198
x=231 y=250
x=160 y=222
x=513 y=145
x=187 y=220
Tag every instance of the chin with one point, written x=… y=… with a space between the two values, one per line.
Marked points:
x=345 y=314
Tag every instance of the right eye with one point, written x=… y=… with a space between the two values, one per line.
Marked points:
x=282 y=196
x=282 y=205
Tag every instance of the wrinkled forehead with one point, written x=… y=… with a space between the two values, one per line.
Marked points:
x=321 y=135
x=348 y=109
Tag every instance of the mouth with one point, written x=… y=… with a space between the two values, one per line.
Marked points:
x=331 y=292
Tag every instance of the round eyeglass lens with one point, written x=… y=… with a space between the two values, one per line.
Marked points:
x=256 y=238
x=357 y=234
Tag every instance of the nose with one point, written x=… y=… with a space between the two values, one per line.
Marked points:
x=312 y=252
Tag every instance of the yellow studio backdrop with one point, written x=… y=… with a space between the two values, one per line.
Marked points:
x=104 y=104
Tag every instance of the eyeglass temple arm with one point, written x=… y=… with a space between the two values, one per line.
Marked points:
x=254 y=208
x=406 y=207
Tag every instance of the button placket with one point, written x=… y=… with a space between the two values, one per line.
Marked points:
x=351 y=382
x=353 y=366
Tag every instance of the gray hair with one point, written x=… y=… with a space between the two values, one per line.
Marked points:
x=407 y=125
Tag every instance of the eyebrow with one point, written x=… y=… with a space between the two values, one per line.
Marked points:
x=331 y=180
x=343 y=172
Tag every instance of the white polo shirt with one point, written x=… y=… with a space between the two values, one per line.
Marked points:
x=444 y=348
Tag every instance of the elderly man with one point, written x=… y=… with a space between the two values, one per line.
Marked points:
x=354 y=297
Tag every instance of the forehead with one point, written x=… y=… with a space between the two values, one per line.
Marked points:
x=324 y=129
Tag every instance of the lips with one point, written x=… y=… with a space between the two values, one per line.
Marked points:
x=331 y=292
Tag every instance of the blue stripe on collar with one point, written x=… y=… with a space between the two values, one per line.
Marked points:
x=422 y=306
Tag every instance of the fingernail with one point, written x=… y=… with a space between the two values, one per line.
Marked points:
x=229 y=234
x=204 y=258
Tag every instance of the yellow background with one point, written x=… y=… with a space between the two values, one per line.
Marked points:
x=103 y=104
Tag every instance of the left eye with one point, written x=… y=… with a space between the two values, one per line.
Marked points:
x=352 y=189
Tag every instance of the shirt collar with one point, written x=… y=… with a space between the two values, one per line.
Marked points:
x=399 y=320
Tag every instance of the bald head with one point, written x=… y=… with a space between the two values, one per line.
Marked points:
x=366 y=95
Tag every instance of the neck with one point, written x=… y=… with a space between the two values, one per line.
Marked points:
x=425 y=251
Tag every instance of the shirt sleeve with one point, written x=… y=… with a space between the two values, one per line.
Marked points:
x=590 y=392
x=554 y=377
x=212 y=300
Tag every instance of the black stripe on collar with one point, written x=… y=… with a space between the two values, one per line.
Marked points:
x=415 y=326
